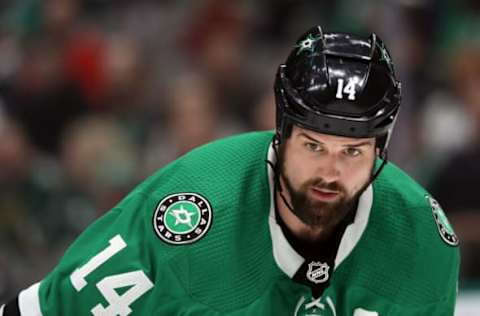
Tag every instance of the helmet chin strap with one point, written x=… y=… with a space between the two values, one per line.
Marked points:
x=384 y=157
x=375 y=174
x=277 y=171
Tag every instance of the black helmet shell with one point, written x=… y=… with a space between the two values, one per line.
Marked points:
x=339 y=84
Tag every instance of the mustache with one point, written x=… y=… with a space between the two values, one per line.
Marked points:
x=322 y=184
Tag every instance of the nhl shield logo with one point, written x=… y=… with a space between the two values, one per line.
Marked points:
x=318 y=272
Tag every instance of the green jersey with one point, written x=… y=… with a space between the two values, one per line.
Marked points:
x=200 y=237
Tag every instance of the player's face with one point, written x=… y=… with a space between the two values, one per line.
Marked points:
x=324 y=174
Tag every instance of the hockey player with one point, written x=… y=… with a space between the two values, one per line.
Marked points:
x=311 y=220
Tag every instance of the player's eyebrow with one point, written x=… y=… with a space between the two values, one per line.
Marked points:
x=310 y=137
x=360 y=144
x=364 y=143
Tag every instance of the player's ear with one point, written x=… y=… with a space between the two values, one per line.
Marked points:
x=377 y=148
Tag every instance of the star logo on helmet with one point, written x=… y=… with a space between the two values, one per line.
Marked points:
x=307 y=44
x=385 y=56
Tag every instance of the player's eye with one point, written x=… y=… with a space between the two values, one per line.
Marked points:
x=313 y=147
x=352 y=151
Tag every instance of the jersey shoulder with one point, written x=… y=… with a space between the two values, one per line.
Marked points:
x=227 y=175
x=223 y=160
x=394 y=182
x=413 y=206
x=409 y=234
x=230 y=175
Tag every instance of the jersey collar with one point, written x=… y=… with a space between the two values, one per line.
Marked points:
x=287 y=259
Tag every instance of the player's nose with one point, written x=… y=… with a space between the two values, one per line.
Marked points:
x=329 y=169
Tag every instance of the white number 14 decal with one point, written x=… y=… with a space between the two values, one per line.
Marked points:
x=348 y=89
x=118 y=304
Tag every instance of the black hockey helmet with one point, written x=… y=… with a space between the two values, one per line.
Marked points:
x=338 y=84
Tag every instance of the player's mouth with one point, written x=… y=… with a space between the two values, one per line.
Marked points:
x=325 y=195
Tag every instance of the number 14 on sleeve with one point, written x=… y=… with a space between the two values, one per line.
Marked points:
x=137 y=280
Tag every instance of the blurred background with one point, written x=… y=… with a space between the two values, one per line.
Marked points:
x=97 y=94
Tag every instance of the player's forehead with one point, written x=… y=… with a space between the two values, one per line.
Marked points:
x=299 y=133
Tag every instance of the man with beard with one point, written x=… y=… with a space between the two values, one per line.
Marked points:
x=310 y=220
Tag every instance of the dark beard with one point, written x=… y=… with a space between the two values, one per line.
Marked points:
x=314 y=213
x=319 y=214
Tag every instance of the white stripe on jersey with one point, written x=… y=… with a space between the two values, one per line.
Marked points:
x=287 y=259
x=29 y=302
x=1 y=309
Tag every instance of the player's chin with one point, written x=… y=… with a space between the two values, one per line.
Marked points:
x=318 y=219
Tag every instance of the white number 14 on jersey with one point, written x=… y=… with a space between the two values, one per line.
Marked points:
x=137 y=280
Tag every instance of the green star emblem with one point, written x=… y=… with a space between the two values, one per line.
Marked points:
x=444 y=227
x=385 y=55
x=307 y=44
x=182 y=217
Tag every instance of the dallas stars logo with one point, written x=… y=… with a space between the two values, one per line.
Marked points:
x=182 y=218
x=443 y=225
x=385 y=55
x=307 y=44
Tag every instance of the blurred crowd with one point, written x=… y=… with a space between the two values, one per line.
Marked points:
x=95 y=95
